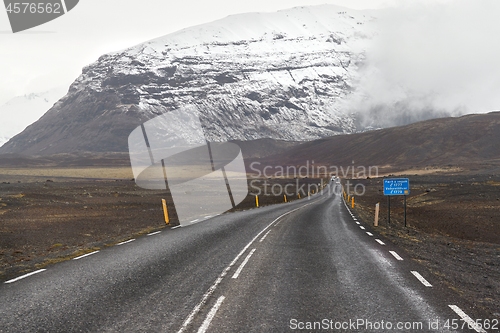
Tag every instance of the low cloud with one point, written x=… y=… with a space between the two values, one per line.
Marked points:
x=431 y=60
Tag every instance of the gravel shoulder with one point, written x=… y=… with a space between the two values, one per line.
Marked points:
x=453 y=228
x=47 y=220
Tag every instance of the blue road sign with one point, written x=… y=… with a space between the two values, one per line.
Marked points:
x=396 y=186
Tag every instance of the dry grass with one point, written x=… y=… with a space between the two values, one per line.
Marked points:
x=75 y=254
x=16 y=196
x=84 y=172
x=422 y=200
x=420 y=171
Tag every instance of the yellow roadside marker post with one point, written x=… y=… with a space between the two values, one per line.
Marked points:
x=257 y=201
x=165 y=211
x=353 y=202
x=284 y=196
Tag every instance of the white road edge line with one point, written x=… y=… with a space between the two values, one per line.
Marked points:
x=125 y=242
x=154 y=233
x=210 y=316
x=395 y=255
x=264 y=237
x=211 y=290
x=85 y=255
x=369 y=233
x=193 y=221
x=25 y=276
x=379 y=241
x=421 y=279
x=238 y=271
x=178 y=226
x=467 y=319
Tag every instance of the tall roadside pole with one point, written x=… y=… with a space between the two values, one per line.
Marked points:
x=396 y=186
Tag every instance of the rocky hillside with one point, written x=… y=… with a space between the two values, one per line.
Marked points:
x=468 y=141
x=281 y=75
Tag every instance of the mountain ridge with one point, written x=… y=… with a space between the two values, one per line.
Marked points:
x=469 y=141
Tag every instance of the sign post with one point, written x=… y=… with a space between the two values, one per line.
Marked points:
x=405 y=211
x=388 y=209
x=396 y=186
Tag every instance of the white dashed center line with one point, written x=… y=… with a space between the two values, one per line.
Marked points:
x=25 y=276
x=421 y=279
x=203 y=328
x=264 y=237
x=467 y=319
x=379 y=241
x=214 y=286
x=238 y=271
x=395 y=255
x=369 y=233
x=361 y=227
x=85 y=255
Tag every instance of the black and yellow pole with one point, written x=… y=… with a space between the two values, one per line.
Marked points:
x=165 y=211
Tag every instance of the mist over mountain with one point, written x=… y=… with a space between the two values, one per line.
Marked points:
x=21 y=111
x=429 y=60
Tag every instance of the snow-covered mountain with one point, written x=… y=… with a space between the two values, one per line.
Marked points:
x=281 y=75
x=21 y=111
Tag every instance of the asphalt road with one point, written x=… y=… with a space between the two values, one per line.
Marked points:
x=306 y=266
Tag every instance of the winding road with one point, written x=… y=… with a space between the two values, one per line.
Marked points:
x=306 y=266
